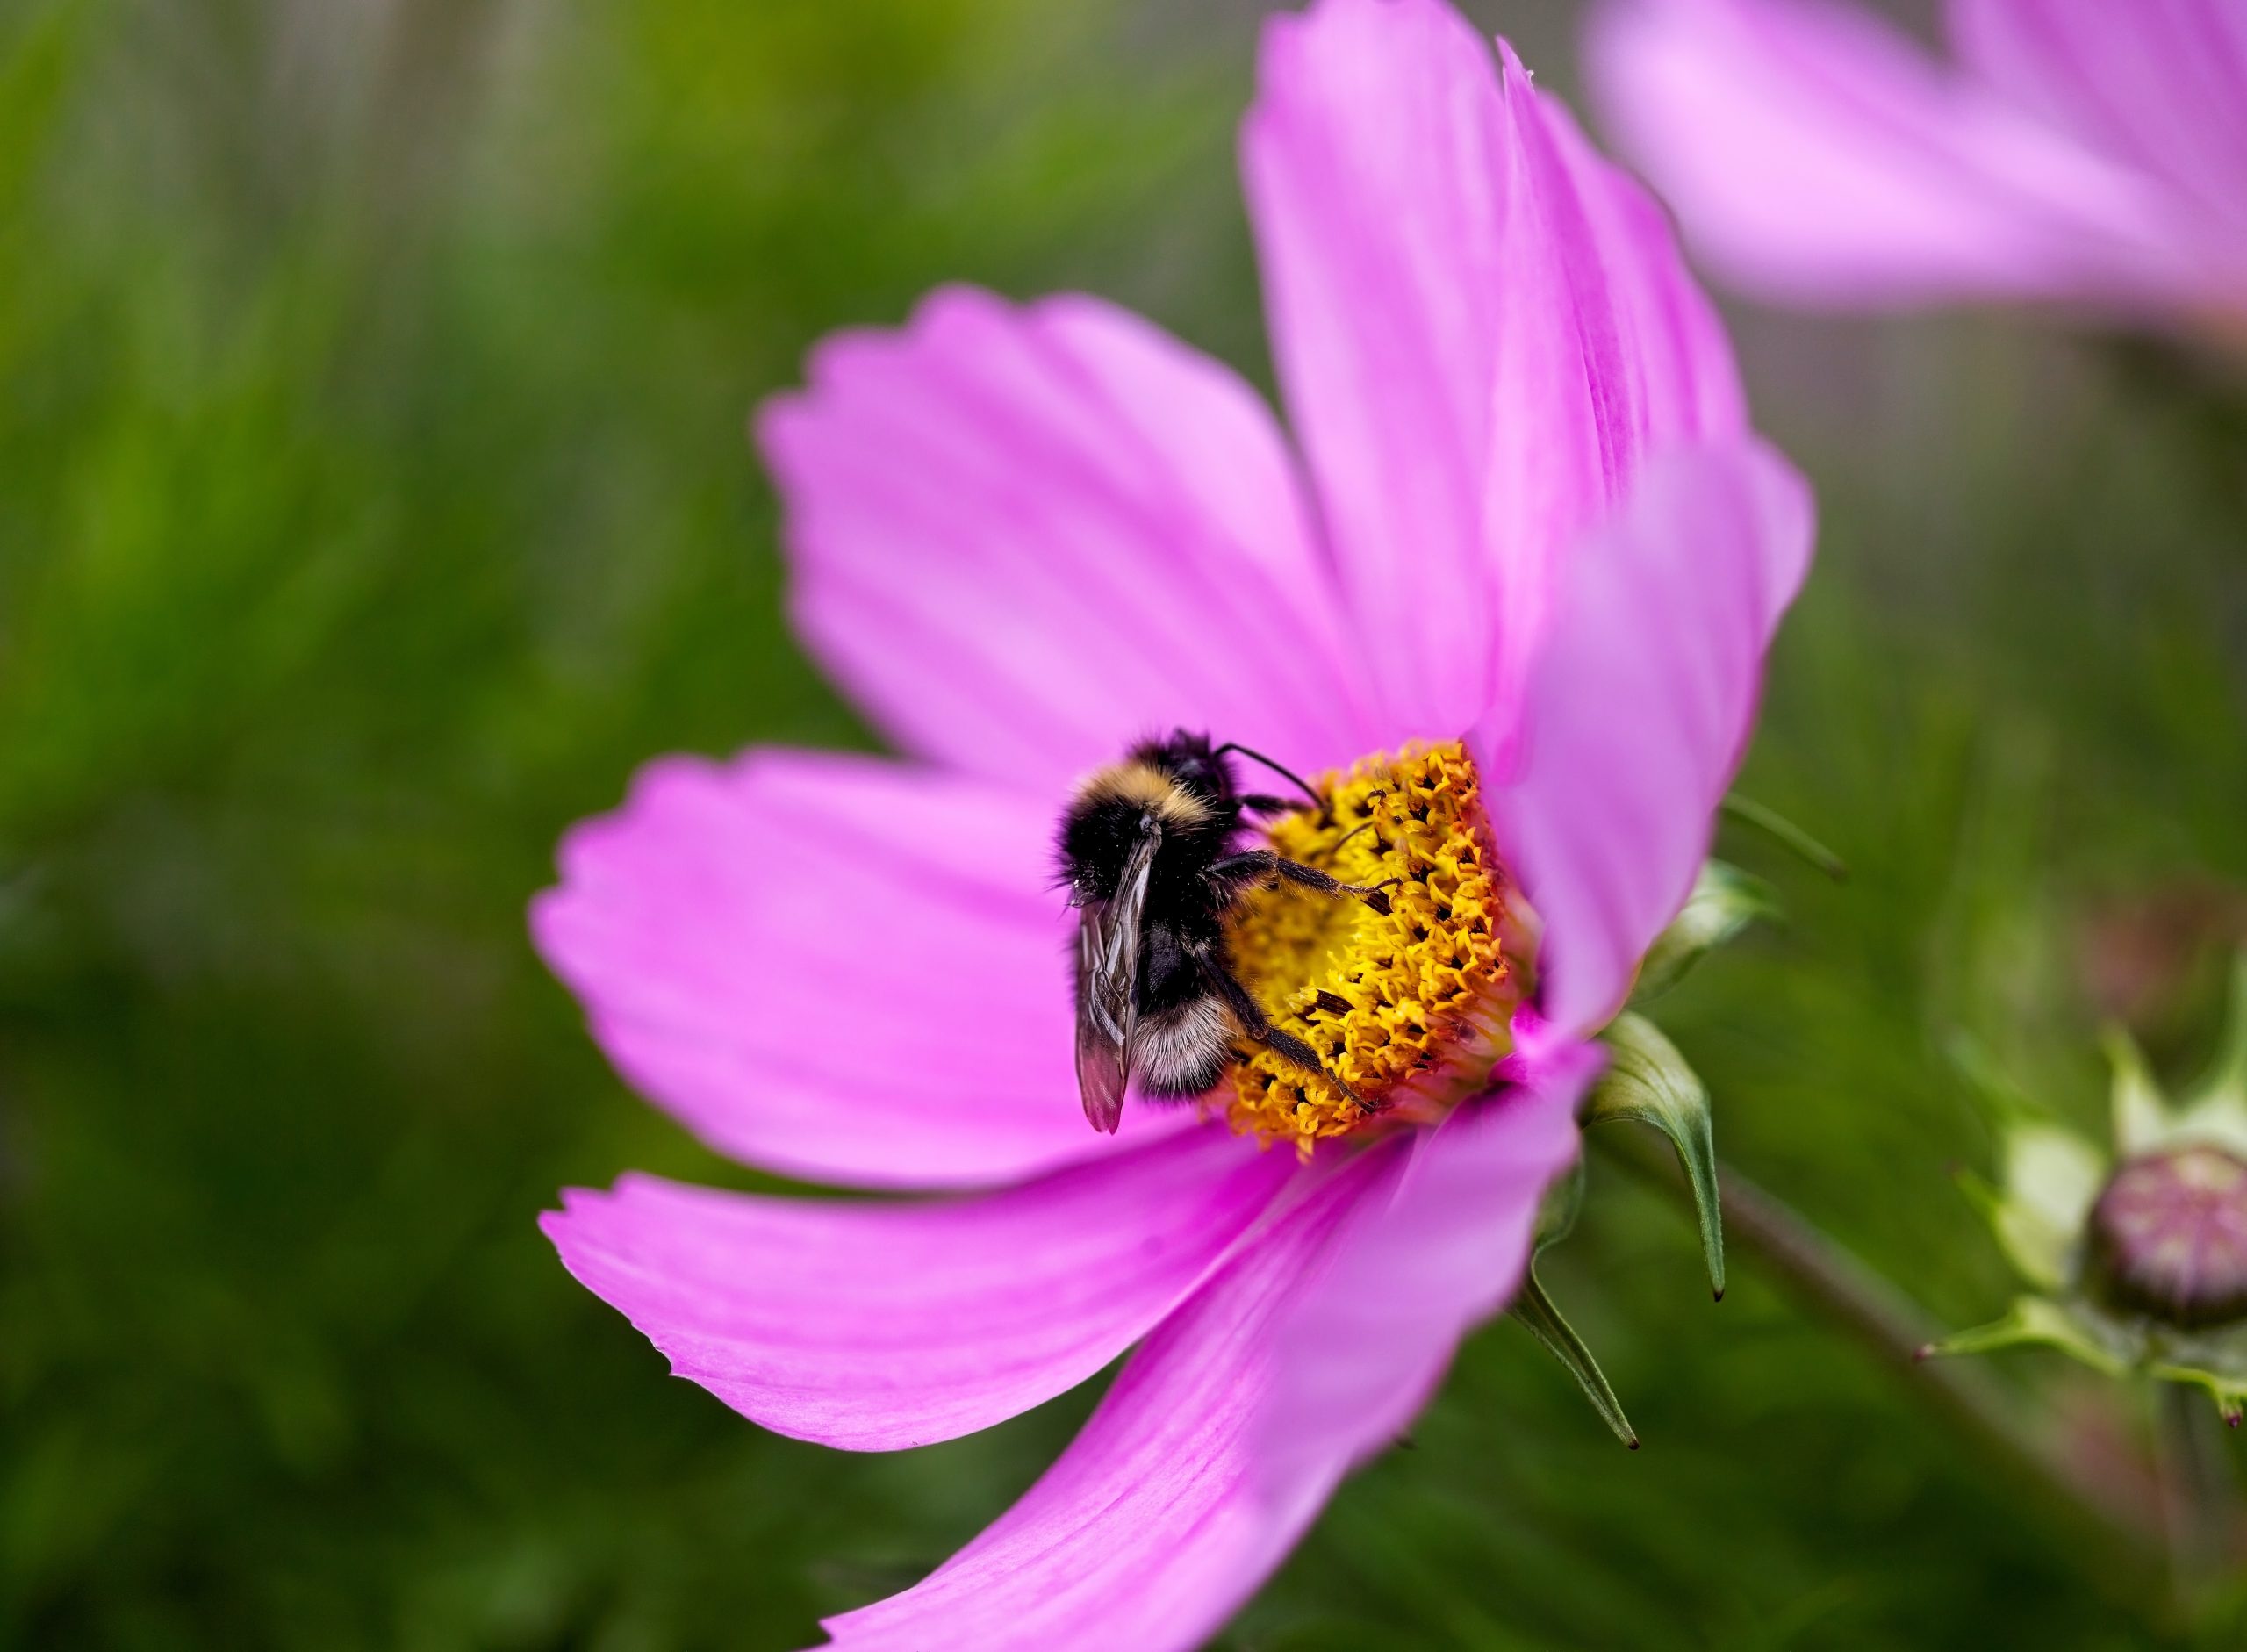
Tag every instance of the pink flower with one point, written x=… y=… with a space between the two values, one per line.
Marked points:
x=2086 y=152
x=1527 y=516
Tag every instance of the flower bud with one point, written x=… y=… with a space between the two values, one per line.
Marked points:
x=2141 y=1267
x=2168 y=1236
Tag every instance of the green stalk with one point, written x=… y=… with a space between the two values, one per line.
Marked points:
x=2199 y=1498
x=1892 y=1329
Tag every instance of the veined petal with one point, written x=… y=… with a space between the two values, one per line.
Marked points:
x=1374 y=160
x=1679 y=378
x=1817 y=154
x=1607 y=352
x=873 y=1327
x=1024 y=536
x=841 y=968
x=1439 y=1248
x=2161 y=84
x=1480 y=325
x=1601 y=795
x=1160 y=1518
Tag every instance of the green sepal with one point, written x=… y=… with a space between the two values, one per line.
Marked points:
x=1647 y=1082
x=1725 y=901
x=2004 y=1101
x=2216 y=1109
x=2047 y=1175
x=2213 y=1110
x=1769 y=820
x=1556 y=1216
x=1557 y=1212
x=2142 y=1118
x=1535 y=1310
x=2225 y=1080
x=2115 y=1345
x=2052 y=1179
x=2038 y=1322
x=2229 y=1393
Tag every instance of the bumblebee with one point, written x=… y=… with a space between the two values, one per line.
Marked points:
x=1150 y=852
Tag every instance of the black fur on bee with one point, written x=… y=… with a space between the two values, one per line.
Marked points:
x=1150 y=852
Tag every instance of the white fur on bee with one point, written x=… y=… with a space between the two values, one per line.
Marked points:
x=1183 y=1052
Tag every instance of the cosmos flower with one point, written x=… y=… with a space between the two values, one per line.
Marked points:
x=1510 y=590
x=2084 y=151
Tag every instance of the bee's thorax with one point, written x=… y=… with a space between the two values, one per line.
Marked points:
x=1151 y=792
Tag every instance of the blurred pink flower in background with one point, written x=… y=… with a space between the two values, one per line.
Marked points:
x=2091 y=153
x=1525 y=511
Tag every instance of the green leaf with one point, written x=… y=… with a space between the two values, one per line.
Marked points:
x=1725 y=901
x=1649 y=1082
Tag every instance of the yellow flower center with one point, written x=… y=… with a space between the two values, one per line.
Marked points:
x=1410 y=1007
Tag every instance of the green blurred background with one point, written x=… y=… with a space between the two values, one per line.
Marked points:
x=373 y=498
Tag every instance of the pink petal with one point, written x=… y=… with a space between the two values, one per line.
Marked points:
x=1022 y=537
x=1816 y=154
x=1439 y=1248
x=1374 y=161
x=1637 y=712
x=877 y=1327
x=841 y=968
x=1160 y=1520
x=1608 y=352
x=1680 y=379
x=2161 y=84
x=1481 y=327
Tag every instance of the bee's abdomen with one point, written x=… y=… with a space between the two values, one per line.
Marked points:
x=1186 y=1049
x=1170 y=968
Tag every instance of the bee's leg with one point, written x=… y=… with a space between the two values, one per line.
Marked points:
x=1253 y=865
x=1257 y=1028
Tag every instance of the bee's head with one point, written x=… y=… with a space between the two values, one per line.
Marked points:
x=1190 y=763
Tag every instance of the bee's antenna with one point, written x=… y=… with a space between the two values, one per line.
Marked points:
x=1280 y=769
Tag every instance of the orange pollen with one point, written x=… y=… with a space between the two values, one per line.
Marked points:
x=1410 y=1007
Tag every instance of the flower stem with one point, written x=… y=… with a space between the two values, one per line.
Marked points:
x=1889 y=1326
x=2200 y=1499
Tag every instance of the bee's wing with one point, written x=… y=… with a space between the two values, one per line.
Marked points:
x=1108 y=977
x=1102 y=1074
